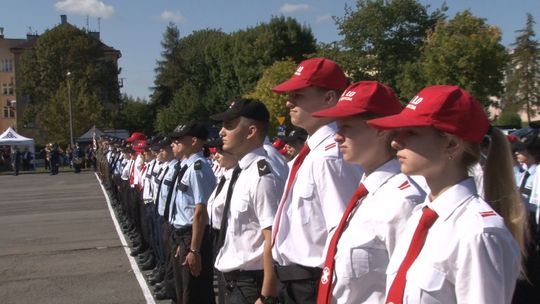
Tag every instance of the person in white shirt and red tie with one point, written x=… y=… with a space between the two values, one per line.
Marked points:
x=363 y=242
x=319 y=184
x=457 y=247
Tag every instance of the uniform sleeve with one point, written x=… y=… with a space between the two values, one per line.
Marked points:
x=335 y=183
x=203 y=185
x=267 y=195
x=487 y=268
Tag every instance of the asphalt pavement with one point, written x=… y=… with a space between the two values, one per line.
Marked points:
x=58 y=243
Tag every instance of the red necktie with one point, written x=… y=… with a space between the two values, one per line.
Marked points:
x=395 y=294
x=296 y=165
x=325 y=285
x=143 y=169
x=131 y=175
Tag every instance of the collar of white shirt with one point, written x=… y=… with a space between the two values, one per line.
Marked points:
x=192 y=158
x=381 y=175
x=452 y=198
x=320 y=135
x=251 y=156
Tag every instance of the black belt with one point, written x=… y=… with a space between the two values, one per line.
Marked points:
x=238 y=275
x=297 y=272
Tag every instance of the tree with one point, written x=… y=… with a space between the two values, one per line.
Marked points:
x=523 y=72
x=94 y=85
x=464 y=51
x=166 y=80
x=212 y=67
x=137 y=115
x=381 y=37
x=276 y=103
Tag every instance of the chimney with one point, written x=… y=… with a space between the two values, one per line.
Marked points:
x=1 y=33
x=63 y=19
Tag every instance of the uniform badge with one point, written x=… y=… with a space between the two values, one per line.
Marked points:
x=197 y=165
x=263 y=167
x=182 y=187
x=325 y=275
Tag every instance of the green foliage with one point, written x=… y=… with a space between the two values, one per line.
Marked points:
x=137 y=115
x=211 y=67
x=94 y=85
x=464 y=51
x=381 y=37
x=523 y=72
x=509 y=119
x=276 y=103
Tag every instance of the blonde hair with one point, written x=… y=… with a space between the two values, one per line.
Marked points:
x=500 y=190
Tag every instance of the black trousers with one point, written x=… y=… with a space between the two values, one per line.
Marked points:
x=191 y=289
x=242 y=287
x=298 y=284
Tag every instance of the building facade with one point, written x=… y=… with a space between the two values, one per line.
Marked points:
x=8 y=102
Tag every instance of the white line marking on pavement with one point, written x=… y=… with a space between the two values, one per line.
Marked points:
x=146 y=291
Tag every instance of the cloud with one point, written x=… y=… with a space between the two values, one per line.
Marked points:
x=289 y=8
x=94 y=8
x=324 y=18
x=172 y=16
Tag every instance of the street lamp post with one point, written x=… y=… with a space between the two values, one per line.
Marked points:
x=68 y=74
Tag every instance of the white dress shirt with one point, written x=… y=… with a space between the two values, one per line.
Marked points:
x=469 y=256
x=315 y=203
x=369 y=239
x=253 y=206
x=216 y=202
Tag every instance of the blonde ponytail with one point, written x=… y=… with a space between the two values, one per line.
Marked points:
x=500 y=189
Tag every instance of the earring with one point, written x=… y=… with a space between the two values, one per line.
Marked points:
x=450 y=157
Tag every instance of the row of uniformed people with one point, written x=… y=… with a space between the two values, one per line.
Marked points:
x=322 y=236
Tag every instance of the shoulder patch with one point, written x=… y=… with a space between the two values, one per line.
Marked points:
x=197 y=165
x=404 y=185
x=263 y=167
x=487 y=213
x=330 y=146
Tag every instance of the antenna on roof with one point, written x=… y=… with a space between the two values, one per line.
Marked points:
x=99 y=24
x=87 y=23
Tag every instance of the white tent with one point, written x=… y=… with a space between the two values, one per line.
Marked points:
x=12 y=138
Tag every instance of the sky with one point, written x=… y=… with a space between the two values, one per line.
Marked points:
x=136 y=27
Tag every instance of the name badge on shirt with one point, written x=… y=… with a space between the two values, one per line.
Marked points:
x=182 y=187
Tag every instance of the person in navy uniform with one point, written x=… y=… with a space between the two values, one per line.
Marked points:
x=191 y=240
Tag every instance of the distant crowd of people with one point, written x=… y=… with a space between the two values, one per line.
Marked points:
x=367 y=201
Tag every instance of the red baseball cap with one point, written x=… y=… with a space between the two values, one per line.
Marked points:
x=136 y=136
x=446 y=108
x=140 y=146
x=319 y=72
x=364 y=97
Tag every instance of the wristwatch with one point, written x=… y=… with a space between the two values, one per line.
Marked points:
x=195 y=252
x=268 y=299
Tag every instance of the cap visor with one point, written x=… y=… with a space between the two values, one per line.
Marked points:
x=292 y=84
x=397 y=121
x=339 y=111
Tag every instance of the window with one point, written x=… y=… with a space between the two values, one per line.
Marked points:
x=7 y=89
x=6 y=65
x=9 y=112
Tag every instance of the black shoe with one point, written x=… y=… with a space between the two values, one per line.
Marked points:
x=137 y=251
x=157 y=278
x=160 y=285
x=161 y=295
x=149 y=264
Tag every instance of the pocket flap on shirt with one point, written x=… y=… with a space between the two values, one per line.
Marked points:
x=426 y=278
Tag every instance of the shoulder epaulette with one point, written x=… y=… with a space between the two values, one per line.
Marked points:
x=263 y=167
x=197 y=165
x=405 y=185
x=330 y=146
